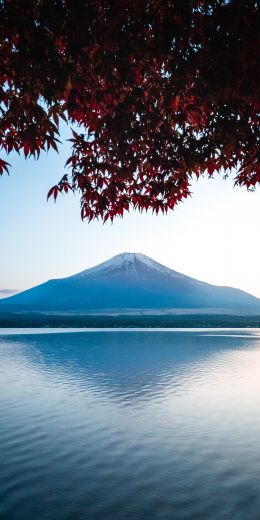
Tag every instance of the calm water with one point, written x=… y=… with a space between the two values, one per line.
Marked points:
x=140 y=425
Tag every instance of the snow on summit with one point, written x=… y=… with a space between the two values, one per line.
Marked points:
x=130 y=264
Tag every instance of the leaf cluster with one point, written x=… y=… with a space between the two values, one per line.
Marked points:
x=161 y=90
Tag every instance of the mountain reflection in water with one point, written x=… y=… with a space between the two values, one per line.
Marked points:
x=130 y=425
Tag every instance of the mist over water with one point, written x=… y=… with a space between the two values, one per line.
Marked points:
x=143 y=425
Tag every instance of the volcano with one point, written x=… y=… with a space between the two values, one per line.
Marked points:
x=129 y=282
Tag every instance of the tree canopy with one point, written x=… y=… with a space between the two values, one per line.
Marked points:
x=161 y=91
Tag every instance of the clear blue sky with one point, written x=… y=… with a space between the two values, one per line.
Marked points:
x=214 y=236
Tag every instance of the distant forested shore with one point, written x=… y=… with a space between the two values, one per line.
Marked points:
x=90 y=321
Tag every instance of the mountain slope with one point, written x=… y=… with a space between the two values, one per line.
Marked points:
x=128 y=281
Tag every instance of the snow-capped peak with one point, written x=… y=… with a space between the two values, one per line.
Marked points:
x=131 y=264
x=132 y=258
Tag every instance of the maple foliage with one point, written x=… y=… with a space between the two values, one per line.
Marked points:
x=161 y=91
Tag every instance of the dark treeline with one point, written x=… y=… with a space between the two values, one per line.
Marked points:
x=202 y=320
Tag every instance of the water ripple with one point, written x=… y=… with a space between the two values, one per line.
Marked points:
x=130 y=425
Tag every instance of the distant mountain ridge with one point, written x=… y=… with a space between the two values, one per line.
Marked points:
x=129 y=281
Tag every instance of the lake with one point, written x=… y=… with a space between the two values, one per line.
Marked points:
x=140 y=425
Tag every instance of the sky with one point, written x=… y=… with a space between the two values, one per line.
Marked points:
x=213 y=236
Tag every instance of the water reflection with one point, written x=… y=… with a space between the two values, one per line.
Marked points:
x=138 y=425
x=121 y=363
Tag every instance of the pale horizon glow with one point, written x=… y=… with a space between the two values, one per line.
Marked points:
x=213 y=236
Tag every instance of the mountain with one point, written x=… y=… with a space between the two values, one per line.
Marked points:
x=129 y=282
